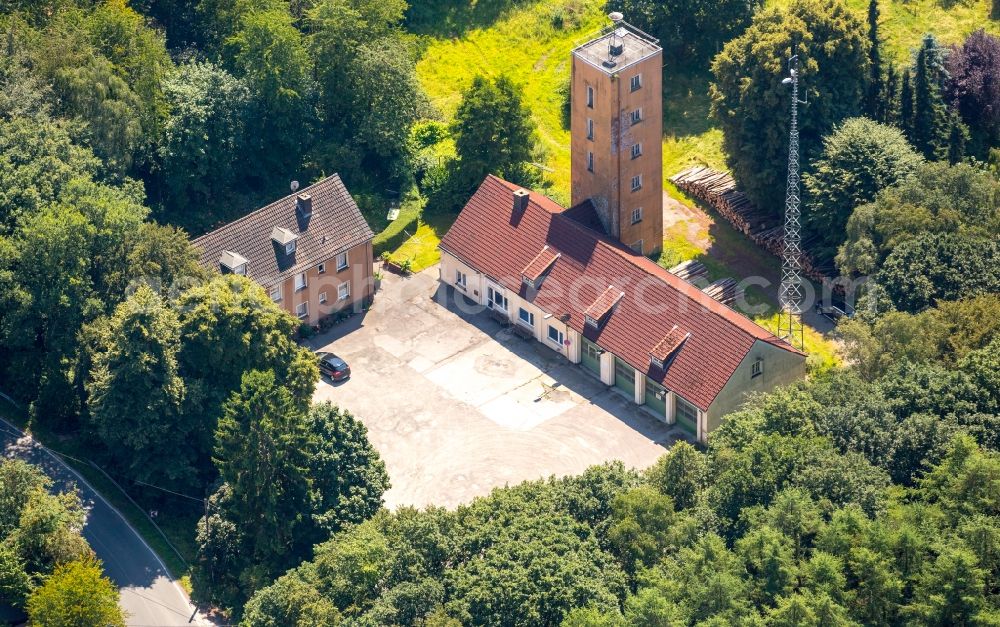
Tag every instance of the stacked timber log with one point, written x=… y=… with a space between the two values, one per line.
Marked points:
x=718 y=190
x=726 y=291
x=690 y=271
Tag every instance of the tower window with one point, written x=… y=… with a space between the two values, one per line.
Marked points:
x=637 y=215
x=590 y=129
x=590 y=96
x=636 y=182
x=636 y=116
x=590 y=161
x=636 y=150
x=636 y=82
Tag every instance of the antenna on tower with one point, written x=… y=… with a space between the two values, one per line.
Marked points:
x=616 y=43
x=791 y=292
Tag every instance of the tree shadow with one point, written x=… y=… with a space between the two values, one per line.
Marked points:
x=686 y=103
x=453 y=18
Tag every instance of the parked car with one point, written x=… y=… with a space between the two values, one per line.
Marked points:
x=333 y=367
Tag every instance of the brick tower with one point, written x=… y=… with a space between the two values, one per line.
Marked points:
x=616 y=129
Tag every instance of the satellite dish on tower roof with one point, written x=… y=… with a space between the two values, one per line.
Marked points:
x=616 y=16
x=295 y=186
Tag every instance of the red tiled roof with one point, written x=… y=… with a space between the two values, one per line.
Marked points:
x=539 y=264
x=603 y=304
x=670 y=342
x=487 y=236
x=336 y=224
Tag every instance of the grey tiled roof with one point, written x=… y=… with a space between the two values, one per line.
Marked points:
x=336 y=225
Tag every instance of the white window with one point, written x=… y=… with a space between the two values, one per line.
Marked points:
x=276 y=293
x=526 y=317
x=590 y=161
x=636 y=150
x=290 y=247
x=636 y=182
x=461 y=280
x=343 y=291
x=636 y=115
x=321 y=268
x=636 y=82
x=302 y=310
x=341 y=261
x=495 y=299
x=590 y=129
x=637 y=247
x=555 y=336
x=637 y=215
x=757 y=368
x=322 y=298
x=300 y=281
x=240 y=269
x=590 y=96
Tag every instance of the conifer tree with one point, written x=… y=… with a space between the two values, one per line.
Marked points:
x=905 y=118
x=931 y=120
x=875 y=105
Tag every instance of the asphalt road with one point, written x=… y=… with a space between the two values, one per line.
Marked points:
x=149 y=594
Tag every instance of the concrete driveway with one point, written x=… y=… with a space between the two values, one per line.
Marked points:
x=457 y=407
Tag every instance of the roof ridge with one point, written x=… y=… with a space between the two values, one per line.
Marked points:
x=246 y=216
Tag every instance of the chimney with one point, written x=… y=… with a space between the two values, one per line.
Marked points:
x=520 y=201
x=304 y=204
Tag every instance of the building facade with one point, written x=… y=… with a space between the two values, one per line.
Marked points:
x=311 y=251
x=683 y=356
x=616 y=130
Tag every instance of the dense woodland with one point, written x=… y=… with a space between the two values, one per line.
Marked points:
x=866 y=495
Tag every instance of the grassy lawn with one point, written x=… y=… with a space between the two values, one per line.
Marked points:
x=178 y=527
x=420 y=245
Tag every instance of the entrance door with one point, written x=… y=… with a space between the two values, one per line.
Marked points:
x=624 y=377
x=591 y=357
x=495 y=299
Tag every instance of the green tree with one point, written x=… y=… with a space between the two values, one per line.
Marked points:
x=859 y=158
x=493 y=133
x=949 y=591
x=680 y=474
x=875 y=96
x=692 y=30
x=640 y=523
x=932 y=122
x=77 y=594
x=15 y=583
x=938 y=198
x=204 y=138
x=749 y=100
x=933 y=267
x=270 y=54
x=235 y=312
x=136 y=392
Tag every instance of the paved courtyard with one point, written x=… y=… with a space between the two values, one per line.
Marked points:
x=457 y=407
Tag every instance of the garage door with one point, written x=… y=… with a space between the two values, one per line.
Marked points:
x=656 y=398
x=591 y=357
x=687 y=416
x=624 y=377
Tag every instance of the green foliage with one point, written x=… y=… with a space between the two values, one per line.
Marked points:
x=936 y=199
x=76 y=595
x=749 y=100
x=205 y=129
x=689 y=31
x=859 y=159
x=38 y=530
x=300 y=476
x=944 y=266
x=494 y=134
x=136 y=392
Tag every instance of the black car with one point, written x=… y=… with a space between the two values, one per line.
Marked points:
x=333 y=366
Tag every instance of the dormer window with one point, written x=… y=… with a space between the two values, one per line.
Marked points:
x=284 y=238
x=233 y=262
x=600 y=308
